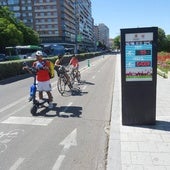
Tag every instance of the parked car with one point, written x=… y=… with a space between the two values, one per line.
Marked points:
x=2 y=57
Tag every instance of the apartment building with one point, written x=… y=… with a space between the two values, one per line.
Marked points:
x=67 y=22
x=103 y=32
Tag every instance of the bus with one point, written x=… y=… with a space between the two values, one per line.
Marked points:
x=54 y=49
x=21 y=52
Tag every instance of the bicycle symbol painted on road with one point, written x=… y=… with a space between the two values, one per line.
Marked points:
x=6 y=138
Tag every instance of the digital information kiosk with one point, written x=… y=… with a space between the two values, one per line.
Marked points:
x=139 y=75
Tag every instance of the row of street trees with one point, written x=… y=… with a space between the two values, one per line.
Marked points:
x=163 y=41
x=14 y=32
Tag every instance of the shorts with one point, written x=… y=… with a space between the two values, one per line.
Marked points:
x=44 y=85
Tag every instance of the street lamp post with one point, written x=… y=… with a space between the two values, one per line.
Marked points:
x=77 y=26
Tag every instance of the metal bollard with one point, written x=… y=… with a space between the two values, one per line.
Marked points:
x=88 y=63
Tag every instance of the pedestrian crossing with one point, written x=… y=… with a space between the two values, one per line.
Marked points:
x=38 y=121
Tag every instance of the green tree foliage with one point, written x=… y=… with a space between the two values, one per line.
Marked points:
x=116 y=43
x=14 y=32
x=101 y=45
x=161 y=40
x=168 y=43
x=6 y=13
x=9 y=34
x=30 y=36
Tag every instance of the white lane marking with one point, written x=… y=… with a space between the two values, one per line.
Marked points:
x=17 y=164
x=25 y=98
x=84 y=87
x=21 y=108
x=28 y=121
x=3 y=147
x=12 y=104
x=93 y=77
x=58 y=162
x=68 y=106
x=70 y=140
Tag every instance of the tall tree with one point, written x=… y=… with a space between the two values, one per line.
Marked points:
x=117 y=42
x=14 y=32
x=9 y=34
x=168 y=43
x=161 y=40
x=30 y=36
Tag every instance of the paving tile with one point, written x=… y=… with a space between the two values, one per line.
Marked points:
x=129 y=146
x=141 y=158
x=161 y=159
x=147 y=147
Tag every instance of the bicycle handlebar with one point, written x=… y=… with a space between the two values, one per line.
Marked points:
x=29 y=69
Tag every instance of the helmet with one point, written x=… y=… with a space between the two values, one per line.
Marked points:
x=39 y=53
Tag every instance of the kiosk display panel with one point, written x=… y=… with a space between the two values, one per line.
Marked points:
x=139 y=75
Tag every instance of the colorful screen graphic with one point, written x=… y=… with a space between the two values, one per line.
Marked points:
x=138 y=51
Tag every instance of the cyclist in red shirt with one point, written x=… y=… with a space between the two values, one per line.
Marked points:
x=43 y=77
x=61 y=70
x=74 y=63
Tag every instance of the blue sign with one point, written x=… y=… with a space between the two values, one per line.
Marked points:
x=138 y=57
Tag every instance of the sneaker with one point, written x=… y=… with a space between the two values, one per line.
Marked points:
x=50 y=106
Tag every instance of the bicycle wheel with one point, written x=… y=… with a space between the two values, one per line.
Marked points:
x=78 y=77
x=61 y=85
x=71 y=75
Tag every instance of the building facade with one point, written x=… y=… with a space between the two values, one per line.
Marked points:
x=103 y=32
x=67 y=22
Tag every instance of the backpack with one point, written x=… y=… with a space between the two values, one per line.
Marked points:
x=51 y=70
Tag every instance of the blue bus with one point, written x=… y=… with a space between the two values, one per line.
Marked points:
x=53 y=50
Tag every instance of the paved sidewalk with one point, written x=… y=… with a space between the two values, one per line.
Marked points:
x=140 y=147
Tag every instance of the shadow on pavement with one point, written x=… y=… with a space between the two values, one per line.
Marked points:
x=69 y=111
x=74 y=92
x=86 y=82
x=45 y=111
x=160 y=125
x=14 y=79
x=63 y=111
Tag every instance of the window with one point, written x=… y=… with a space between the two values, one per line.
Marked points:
x=16 y=8
x=12 y=2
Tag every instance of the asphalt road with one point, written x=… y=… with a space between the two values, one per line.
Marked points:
x=71 y=136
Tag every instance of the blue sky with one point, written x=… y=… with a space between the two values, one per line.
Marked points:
x=118 y=14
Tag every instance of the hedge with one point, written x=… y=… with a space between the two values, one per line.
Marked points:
x=14 y=67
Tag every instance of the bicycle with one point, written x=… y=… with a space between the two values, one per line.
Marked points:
x=75 y=75
x=63 y=80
